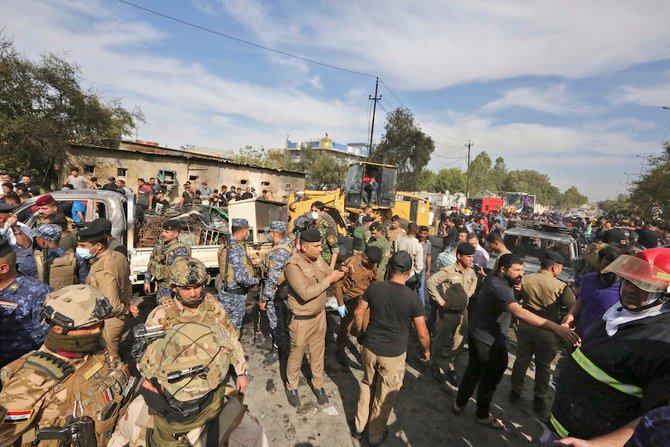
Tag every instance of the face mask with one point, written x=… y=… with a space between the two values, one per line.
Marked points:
x=83 y=253
x=268 y=237
x=73 y=343
x=314 y=215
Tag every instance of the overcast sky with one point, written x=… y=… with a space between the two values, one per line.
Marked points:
x=573 y=89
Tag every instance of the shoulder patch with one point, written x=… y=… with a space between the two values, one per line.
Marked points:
x=49 y=364
x=17 y=416
x=8 y=305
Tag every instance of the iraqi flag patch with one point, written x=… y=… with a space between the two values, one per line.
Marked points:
x=16 y=416
x=108 y=395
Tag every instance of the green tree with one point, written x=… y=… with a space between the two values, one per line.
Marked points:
x=573 y=198
x=651 y=192
x=406 y=146
x=44 y=107
x=482 y=175
x=451 y=180
x=427 y=181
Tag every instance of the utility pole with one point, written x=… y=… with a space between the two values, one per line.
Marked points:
x=467 y=177
x=374 y=110
x=644 y=158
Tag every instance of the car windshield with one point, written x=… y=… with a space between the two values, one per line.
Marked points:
x=532 y=247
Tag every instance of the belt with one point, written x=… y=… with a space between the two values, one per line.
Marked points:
x=237 y=291
x=306 y=317
x=453 y=311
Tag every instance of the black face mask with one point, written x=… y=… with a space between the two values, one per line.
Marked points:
x=172 y=409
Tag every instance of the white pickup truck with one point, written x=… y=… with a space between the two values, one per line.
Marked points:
x=120 y=210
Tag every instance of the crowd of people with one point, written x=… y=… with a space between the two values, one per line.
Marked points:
x=66 y=304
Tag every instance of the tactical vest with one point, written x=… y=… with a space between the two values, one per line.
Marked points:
x=225 y=269
x=94 y=389
x=268 y=263
x=61 y=271
x=210 y=313
x=158 y=267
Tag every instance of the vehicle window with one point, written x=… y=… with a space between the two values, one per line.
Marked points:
x=533 y=248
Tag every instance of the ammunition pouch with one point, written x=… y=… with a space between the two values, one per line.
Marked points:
x=78 y=432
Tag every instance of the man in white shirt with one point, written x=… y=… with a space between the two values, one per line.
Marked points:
x=76 y=180
x=20 y=237
x=411 y=245
x=481 y=257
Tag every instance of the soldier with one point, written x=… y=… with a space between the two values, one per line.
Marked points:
x=48 y=208
x=182 y=400
x=237 y=273
x=542 y=293
x=362 y=234
x=20 y=237
x=274 y=294
x=68 y=239
x=69 y=385
x=450 y=289
x=308 y=277
x=396 y=231
x=360 y=272
x=328 y=230
x=189 y=302
x=166 y=251
x=21 y=300
x=106 y=226
x=110 y=273
x=377 y=239
x=55 y=266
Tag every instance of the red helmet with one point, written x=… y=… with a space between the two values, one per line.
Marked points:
x=649 y=269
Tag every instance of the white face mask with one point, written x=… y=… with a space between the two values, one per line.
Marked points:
x=314 y=215
x=85 y=253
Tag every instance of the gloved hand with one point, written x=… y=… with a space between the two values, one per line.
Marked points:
x=342 y=310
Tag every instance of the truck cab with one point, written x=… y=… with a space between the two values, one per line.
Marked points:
x=370 y=184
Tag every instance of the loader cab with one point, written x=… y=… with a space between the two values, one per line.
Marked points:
x=370 y=183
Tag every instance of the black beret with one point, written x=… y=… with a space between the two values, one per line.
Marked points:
x=102 y=224
x=375 y=226
x=401 y=260
x=311 y=235
x=92 y=233
x=172 y=224
x=373 y=253
x=6 y=207
x=395 y=217
x=466 y=249
x=556 y=257
x=5 y=248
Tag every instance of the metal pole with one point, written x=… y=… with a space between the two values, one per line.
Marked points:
x=374 y=110
x=467 y=177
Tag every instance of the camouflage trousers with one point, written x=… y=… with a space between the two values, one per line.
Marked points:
x=235 y=306
x=277 y=312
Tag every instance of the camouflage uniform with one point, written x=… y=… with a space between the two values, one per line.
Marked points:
x=44 y=387
x=233 y=294
x=20 y=328
x=193 y=375
x=162 y=257
x=385 y=247
x=328 y=229
x=274 y=291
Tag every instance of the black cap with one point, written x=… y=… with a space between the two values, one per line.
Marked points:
x=5 y=248
x=395 y=217
x=102 y=224
x=92 y=233
x=556 y=257
x=172 y=224
x=401 y=260
x=375 y=226
x=6 y=207
x=614 y=235
x=647 y=238
x=466 y=249
x=311 y=235
x=373 y=253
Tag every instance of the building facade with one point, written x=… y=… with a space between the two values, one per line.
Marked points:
x=345 y=153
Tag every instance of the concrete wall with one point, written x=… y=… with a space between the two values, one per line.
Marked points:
x=108 y=162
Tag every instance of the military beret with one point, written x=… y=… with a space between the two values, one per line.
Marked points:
x=172 y=224
x=6 y=207
x=48 y=232
x=276 y=225
x=373 y=253
x=556 y=257
x=46 y=199
x=367 y=219
x=311 y=235
x=375 y=226
x=395 y=217
x=105 y=225
x=5 y=247
x=465 y=249
x=240 y=223
x=92 y=233
x=401 y=260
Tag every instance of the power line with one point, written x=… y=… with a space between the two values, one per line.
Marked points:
x=237 y=39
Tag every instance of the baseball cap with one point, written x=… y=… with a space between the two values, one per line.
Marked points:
x=401 y=260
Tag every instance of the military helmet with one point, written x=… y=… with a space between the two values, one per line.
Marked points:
x=76 y=306
x=191 y=360
x=188 y=271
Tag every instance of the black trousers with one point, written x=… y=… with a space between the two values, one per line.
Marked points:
x=486 y=367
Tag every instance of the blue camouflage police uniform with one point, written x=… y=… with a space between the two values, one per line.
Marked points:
x=276 y=307
x=238 y=279
x=51 y=232
x=21 y=329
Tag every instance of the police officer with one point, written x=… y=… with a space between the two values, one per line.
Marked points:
x=69 y=381
x=542 y=293
x=110 y=273
x=274 y=294
x=308 y=278
x=106 y=226
x=189 y=302
x=237 y=273
x=21 y=300
x=182 y=400
x=55 y=266
x=396 y=231
x=360 y=271
x=168 y=249
x=20 y=237
x=377 y=239
x=451 y=289
x=48 y=209
x=328 y=230
x=362 y=234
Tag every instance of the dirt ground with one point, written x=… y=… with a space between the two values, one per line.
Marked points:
x=421 y=417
